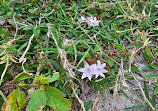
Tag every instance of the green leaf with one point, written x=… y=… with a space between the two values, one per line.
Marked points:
x=41 y=79
x=153 y=66
x=54 y=77
x=147 y=68
x=21 y=77
x=56 y=100
x=138 y=106
x=135 y=69
x=38 y=98
x=149 y=53
x=21 y=98
x=146 y=90
x=118 y=46
x=85 y=55
x=151 y=76
x=156 y=83
x=100 y=91
x=156 y=28
x=154 y=100
x=22 y=84
x=129 y=53
x=110 y=62
x=36 y=31
x=156 y=90
x=16 y=100
x=88 y=105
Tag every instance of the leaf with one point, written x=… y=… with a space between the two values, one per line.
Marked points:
x=156 y=83
x=154 y=100
x=100 y=91
x=156 y=90
x=151 y=76
x=56 y=100
x=38 y=98
x=88 y=105
x=22 y=84
x=146 y=90
x=21 y=98
x=118 y=46
x=41 y=79
x=16 y=100
x=22 y=76
x=54 y=77
x=147 y=68
x=36 y=31
x=156 y=28
x=138 y=106
x=110 y=62
x=149 y=53
x=153 y=66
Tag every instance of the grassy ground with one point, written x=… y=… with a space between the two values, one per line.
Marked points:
x=44 y=46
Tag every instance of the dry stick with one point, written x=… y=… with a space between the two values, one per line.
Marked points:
x=21 y=59
x=143 y=92
x=79 y=100
x=66 y=65
x=62 y=54
x=121 y=80
x=44 y=5
x=131 y=57
x=15 y=25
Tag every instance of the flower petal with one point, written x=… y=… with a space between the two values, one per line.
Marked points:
x=81 y=70
x=98 y=63
x=84 y=76
x=103 y=71
x=103 y=65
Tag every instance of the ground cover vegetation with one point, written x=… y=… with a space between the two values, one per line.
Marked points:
x=52 y=51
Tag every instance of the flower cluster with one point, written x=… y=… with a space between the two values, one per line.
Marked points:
x=91 y=21
x=94 y=69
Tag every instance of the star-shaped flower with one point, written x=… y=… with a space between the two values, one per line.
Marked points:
x=100 y=69
x=81 y=20
x=88 y=71
x=92 y=22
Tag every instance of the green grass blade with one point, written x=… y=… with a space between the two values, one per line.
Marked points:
x=135 y=107
x=146 y=90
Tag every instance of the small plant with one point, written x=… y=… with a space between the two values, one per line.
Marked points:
x=48 y=48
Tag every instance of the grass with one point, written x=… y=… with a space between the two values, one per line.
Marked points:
x=29 y=46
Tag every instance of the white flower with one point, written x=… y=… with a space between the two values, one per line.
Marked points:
x=100 y=69
x=82 y=20
x=88 y=71
x=92 y=22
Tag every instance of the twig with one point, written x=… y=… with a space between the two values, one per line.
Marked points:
x=6 y=101
x=79 y=100
x=44 y=5
x=138 y=83
x=15 y=25
x=62 y=54
x=7 y=64
x=43 y=17
x=22 y=59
